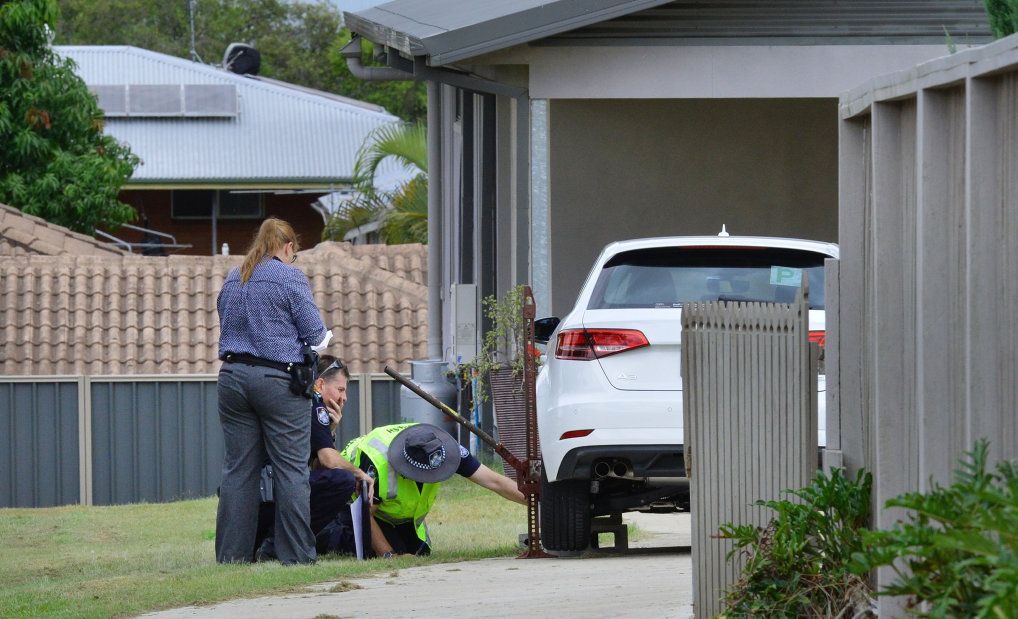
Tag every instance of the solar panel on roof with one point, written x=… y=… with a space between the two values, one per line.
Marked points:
x=112 y=99
x=154 y=100
x=210 y=100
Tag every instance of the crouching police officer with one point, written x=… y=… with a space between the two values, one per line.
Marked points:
x=332 y=478
x=408 y=462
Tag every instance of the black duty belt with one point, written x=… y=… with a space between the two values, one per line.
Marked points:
x=246 y=359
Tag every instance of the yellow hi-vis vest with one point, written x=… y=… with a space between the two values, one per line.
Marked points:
x=402 y=500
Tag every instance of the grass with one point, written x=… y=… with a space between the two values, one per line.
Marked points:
x=122 y=560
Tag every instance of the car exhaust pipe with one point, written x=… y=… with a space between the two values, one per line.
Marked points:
x=602 y=469
x=613 y=469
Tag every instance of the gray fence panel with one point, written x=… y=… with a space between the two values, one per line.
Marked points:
x=141 y=438
x=385 y=403
x=154 y=440
x=39 y=456
x=750 y=418
x=350 y=426
x=928 y=226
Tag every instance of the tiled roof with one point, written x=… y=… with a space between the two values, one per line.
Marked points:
x=131 y=314
x=409 y=261
x=24 y=235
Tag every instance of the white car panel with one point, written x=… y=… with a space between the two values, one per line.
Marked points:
x=655 y=367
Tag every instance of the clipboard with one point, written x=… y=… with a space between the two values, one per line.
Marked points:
x=360 y=511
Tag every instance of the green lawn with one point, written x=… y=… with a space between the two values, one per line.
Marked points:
x=107 y=561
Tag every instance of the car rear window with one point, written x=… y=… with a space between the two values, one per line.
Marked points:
x=670 y=276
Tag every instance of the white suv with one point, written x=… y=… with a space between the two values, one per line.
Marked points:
x=609 y=397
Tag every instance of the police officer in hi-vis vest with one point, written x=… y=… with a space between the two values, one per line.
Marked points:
x=408 y=462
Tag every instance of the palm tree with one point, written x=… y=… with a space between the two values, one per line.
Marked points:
x=401 y=214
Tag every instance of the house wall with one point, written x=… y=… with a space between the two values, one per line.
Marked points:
x=725 y=71
x=155 y=204
x=624 y=169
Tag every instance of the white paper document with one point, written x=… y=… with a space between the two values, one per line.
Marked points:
x=356 y=510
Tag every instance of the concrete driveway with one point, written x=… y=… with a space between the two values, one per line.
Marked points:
x=652 y=579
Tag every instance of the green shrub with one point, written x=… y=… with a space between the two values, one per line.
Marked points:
x=957 y=553
x=799 y=564
x=1003 y=16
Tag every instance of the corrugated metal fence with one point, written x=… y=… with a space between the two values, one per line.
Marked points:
x=924 y=320
x=750 y=418
x=106 y=440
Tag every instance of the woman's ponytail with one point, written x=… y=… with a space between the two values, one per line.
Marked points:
x=272 y=236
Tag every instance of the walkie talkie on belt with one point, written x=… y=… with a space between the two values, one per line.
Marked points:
x=302 y=376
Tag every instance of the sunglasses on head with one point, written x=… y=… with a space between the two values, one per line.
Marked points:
x=336 y=365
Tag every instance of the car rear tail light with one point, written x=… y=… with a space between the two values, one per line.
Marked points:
x=575 y=434
x=818 y=337
x=588 y=344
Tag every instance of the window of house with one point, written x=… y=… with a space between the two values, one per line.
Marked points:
x=198 y=204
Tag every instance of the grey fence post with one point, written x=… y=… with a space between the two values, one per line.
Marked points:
x=85 y=439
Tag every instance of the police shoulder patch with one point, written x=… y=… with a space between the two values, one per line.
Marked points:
x=323 y=416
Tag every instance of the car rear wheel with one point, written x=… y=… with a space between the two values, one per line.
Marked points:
x=565 y=514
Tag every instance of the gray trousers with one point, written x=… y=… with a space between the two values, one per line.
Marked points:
x=263 y=420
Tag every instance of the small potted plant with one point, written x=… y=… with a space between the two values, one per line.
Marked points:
x=499 y=365
x=499 y=358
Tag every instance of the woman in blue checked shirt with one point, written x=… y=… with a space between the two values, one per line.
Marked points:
x=266 y=315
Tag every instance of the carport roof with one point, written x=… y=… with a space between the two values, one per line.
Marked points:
x=446 y=31
x=450 y=30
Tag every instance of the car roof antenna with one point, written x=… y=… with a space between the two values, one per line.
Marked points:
x=723 y=232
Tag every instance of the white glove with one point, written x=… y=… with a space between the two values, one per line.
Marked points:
x=324 y=343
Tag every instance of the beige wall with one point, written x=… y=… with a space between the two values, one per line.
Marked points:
x=624 y=169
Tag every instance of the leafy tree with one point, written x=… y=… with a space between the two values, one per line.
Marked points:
x=299 y=40
x=55 y=162
x=1003 y=16
x=403 y=212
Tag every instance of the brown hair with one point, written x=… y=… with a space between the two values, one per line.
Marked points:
x=273 y=235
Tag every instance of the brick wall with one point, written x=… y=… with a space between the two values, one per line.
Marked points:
x=155 y=204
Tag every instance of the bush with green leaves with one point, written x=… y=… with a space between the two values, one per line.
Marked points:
x=503 y=342
x=799 y=565
x=55 y=161
x=956 y=555
x=1003 y=16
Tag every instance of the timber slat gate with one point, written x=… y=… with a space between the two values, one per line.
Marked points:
x=750 y=423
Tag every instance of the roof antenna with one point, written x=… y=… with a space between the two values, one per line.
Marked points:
x=723 y=232
x=190 y=22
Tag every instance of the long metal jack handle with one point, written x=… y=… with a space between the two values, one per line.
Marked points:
x=499 y=448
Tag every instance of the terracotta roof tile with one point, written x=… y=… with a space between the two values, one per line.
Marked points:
x=128 y=314
x=22 y=235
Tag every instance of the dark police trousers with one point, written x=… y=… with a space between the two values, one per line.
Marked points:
x=331 y=490
x=263 y=420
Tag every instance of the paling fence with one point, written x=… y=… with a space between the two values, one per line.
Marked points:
x=105 y=440
x=922 y=349
x=749 y=406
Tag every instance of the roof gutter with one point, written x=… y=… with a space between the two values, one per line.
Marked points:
x=401 y=69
